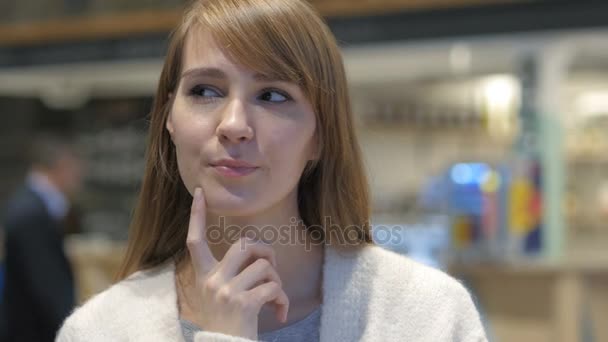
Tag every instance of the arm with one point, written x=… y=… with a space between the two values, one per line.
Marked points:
x=66 y=334
x=469 y=326
x=38 y=255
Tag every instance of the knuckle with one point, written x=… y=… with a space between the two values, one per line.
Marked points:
x=210 y=285
x=275 y=277
x=263 y=264
x=248 y=304
x=224 y=294
x=274 y=286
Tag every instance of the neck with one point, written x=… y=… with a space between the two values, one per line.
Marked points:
x=280 y=226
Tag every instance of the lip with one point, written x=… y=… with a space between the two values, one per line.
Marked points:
x=235 y=163
x=233 y=168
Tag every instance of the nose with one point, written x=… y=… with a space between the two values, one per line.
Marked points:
x=234 y=126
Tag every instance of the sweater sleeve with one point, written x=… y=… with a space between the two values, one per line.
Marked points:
x=68 y=333
x=207 y=336
x=468 y=327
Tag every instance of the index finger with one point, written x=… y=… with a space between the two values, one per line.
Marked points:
x=202 y=258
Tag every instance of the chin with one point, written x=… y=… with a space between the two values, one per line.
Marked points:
x=224 y=203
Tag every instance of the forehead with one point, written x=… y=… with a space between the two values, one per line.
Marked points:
x=201 y=48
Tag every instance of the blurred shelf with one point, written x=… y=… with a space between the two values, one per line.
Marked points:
x=164 y=20
x=587 y=266
x=410 y=126
x=143 y=33
x=89 y=27
x=352 y=21
x=588 y=160
x=348 y=7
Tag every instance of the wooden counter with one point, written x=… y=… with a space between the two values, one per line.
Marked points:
x=95 y=262
x=542 y=301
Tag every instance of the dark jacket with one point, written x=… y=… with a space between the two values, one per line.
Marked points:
x=39 y=287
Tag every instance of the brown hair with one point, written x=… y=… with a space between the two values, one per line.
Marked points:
x=285 y=39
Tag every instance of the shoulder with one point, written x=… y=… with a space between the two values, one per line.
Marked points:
x=417 y=276
x=393 y=270
x=386 y=269
x=128 y=308
x=24 y=205
x=420 y=295
x=23 y=218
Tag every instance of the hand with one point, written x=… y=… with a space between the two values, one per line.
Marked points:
x=234 y=289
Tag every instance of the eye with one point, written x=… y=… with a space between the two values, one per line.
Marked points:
x=274 y=96
x=204 y=91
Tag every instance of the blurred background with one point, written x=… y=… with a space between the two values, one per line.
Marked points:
x=484 y=125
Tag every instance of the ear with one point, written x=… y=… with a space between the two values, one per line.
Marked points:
x=169 y=122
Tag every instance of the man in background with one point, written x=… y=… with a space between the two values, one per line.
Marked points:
x=39 y=285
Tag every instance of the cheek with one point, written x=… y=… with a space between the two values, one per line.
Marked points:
x=191 y=127
x=190 y=134
x=288 y=148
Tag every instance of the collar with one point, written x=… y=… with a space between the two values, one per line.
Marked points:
x=54 y=200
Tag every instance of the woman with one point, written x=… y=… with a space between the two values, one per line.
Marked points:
x=253 y=217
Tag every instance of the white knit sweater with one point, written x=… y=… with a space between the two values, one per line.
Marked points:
x=372 y=295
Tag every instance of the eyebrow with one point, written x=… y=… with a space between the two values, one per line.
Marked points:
x=219 y=74
x=208 y=72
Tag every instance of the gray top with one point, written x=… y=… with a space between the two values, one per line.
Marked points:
x=304 y=330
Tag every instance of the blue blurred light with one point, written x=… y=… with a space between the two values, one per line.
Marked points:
x=462 y=174
x=469 y=173
x=480 y=172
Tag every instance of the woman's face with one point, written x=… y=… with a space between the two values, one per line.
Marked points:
x=223 y=113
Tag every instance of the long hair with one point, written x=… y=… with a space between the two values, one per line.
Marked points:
x=285 y=39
